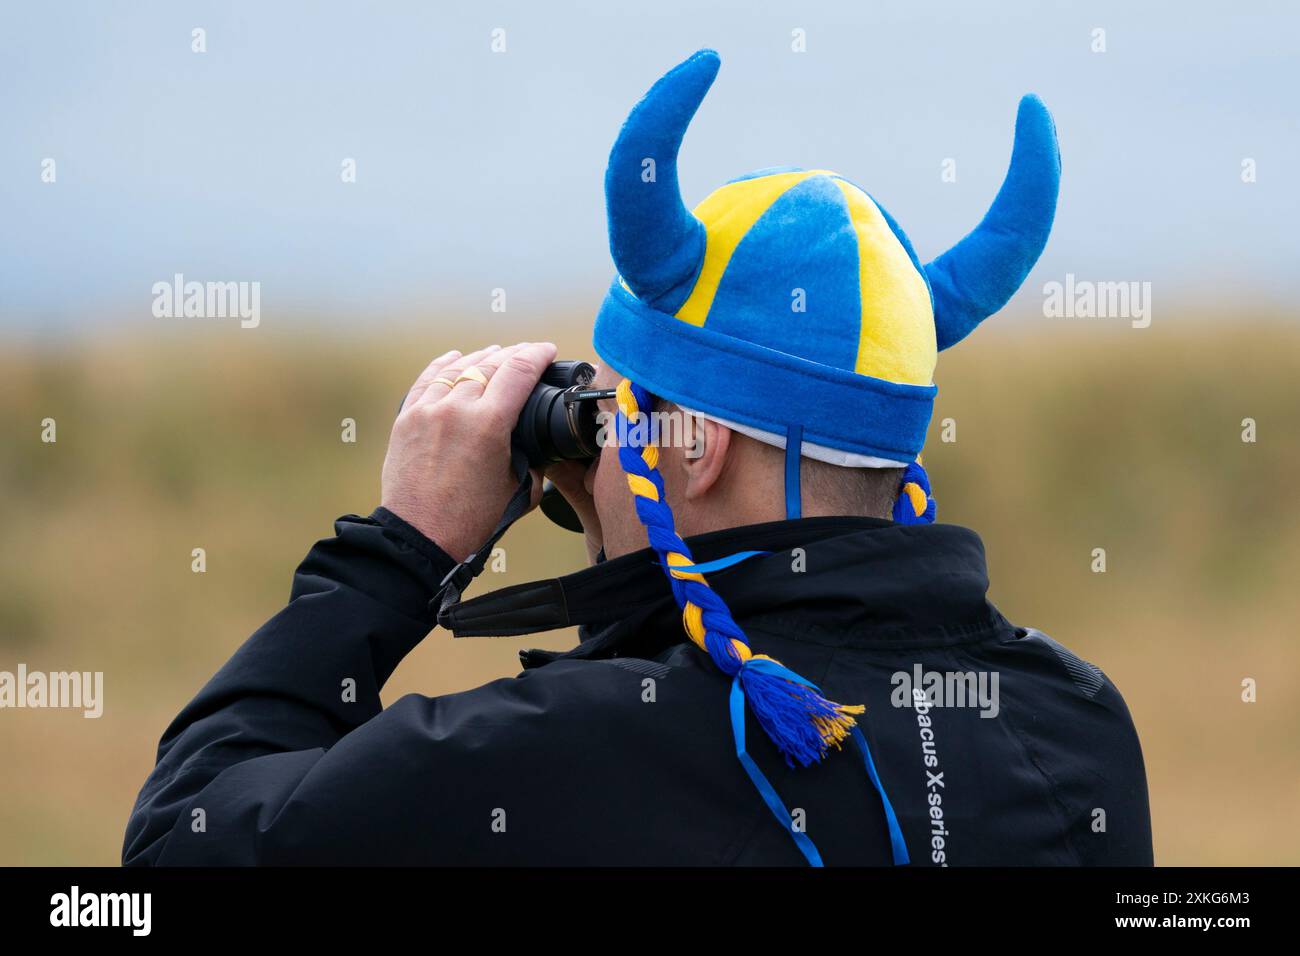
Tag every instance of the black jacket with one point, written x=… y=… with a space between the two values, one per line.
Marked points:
x=620 y=751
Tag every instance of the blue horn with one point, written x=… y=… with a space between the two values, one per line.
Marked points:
x=976 y=277
x=656 y=243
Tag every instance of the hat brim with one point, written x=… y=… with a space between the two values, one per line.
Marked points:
x=757 y=386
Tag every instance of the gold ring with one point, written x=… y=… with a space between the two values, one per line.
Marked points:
x=472 y=374
x=444 y=381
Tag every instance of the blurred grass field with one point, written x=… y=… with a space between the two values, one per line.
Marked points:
x=1069 y=438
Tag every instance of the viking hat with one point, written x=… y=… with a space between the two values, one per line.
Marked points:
x=790 y=297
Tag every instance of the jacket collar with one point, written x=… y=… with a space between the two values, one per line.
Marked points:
x=845 y=581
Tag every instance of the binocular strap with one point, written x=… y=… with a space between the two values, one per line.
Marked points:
x=458 y=578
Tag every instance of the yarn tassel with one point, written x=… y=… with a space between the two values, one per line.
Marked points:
x=802 y=723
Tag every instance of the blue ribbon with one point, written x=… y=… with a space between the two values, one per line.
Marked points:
x=765 y=788
x=793 y=450
x=709 y=566
x=897 y=845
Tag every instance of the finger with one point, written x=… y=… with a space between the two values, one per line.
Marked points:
x=441 y=385
x=471 y=389
x=570 y=478
x=516 y=377
x=434 y=386
x=431 y=371
x=535 y=498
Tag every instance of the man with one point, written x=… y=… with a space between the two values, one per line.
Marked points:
x=713 y=710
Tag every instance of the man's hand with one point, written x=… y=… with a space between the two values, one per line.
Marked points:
x=573 y=480
x=448 y=466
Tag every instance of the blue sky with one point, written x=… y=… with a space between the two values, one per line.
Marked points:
x=478 y=170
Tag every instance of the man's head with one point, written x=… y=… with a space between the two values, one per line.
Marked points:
x=789 y=310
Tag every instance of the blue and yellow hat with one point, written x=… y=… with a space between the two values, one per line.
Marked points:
x=791 y=298
x=790 y=304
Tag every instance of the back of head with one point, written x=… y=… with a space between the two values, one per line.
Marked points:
x=790 y=301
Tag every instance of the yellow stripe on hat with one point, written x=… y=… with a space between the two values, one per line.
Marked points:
x=728 y=213
x=897 y=341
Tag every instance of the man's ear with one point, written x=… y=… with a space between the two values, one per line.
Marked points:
x=705 y=455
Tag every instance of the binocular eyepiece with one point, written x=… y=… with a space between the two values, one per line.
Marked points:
x=559 y=420
x=559 y=423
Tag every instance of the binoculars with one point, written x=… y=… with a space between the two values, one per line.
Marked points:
x=559 y=423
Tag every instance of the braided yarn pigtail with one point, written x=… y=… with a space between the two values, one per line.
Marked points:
x=802 y=723
x=914 y=504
